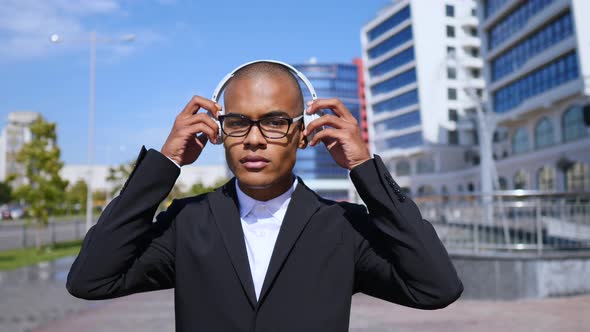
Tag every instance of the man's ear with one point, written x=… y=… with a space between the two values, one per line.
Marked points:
x=302 y=139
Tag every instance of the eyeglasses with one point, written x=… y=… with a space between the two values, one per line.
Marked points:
x=273 y=127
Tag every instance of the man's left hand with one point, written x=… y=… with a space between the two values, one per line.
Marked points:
x=342 y=136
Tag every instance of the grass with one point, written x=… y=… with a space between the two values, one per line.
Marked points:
x=16 y=258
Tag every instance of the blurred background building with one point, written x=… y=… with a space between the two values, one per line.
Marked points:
x=420 y=57
x=12 y=138
x=315 y=165
x=537 y=60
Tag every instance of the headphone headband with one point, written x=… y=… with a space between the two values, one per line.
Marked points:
x=225 y=80
x=307 y=118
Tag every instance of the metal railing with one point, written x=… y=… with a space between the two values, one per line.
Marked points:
x=515 y=221
x=20 y=234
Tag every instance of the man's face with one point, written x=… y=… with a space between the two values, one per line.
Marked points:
x=259 y=162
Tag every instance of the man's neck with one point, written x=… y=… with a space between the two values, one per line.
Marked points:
x=274 y=190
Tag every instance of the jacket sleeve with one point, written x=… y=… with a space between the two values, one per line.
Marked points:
x=399 y=257
x=126 y=252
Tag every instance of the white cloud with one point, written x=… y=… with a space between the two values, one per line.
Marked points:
x=25 y=27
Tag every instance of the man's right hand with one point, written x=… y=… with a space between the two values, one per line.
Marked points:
x=183 y=145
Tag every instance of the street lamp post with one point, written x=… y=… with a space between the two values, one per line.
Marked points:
x=55 y=38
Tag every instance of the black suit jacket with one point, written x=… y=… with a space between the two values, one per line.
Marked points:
x=325 y=252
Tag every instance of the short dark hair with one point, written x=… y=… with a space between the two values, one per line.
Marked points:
x=264 y=68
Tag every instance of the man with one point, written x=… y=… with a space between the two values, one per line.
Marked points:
x=264 y=252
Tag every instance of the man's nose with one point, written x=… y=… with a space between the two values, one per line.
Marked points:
x=255 y=137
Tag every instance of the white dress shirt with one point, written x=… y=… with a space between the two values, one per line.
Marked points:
x=261 y=222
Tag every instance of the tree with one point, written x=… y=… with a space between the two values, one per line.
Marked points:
x=44 y=189
x=76 y=196
x=118 y=175
x=5 y=193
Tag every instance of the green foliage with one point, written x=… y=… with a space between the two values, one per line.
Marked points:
x=44 y=190
x=76 y=196
x=5 y=193
x=118 y=175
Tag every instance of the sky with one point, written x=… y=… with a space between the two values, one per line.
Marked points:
x=182 y=48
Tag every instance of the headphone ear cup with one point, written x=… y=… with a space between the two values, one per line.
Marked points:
x=308 y=118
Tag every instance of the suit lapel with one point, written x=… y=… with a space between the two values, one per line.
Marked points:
x=225 y=208
x=304 y=203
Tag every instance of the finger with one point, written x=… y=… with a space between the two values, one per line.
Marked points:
x=197 y=102
x=326 y=120
x=202 y=140
x=335 y=105
x=326 y=135
x=201 y=117
x=201 y=128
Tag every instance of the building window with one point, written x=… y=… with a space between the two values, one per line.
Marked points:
x=425 y=165
x=390 y=43
x=402 y=168
x=453 y=115
x=453 y=137
x=402 y=121
x=450 y=10
x=475 y=73
x=492 y=6
x=520 y=180
x=425 y=190
x=546 y=179
x=451 y=73
x=572 y=124
x=451 y=51
x=394 y=83
x=397 y=102
x=389 y=23
x=392 y=63
x=515 y=57
x=577 y=177
x=543 y=133
x=400 y=142
x=473 y=32
x=474 y=12
x=515 y=21
x=520 y=141
x=551 y=75
x=450 y=31
x=502 y=183
x=452 y=94
x=475 y=52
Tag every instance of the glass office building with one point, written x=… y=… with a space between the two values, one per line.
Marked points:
x=315 y=165
x=537 y=59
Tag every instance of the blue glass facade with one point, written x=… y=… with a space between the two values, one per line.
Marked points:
x=402 y=121
x=392 y=63
x=549 y=76
x=397 y=102
x=551 y=34
x=389 y=23
x=390 y=43
x=400 y=142
x=512 y=23
x=396 y=82
x=492 y=6
x=329 y=81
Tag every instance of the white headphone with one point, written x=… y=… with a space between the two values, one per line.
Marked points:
x=307 y=118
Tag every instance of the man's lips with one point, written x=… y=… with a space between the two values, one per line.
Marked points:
x=254 y=162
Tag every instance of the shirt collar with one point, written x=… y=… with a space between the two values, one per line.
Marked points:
x=275 y=204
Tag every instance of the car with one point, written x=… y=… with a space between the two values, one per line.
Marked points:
x=17 y=213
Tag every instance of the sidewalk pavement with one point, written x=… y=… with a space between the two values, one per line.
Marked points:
x=154 y=312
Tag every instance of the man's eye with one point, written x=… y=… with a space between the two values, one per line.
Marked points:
x=275 y=122
x=237 y=122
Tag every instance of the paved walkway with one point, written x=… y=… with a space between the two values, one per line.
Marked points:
x=35 y=300
x=154 y=312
